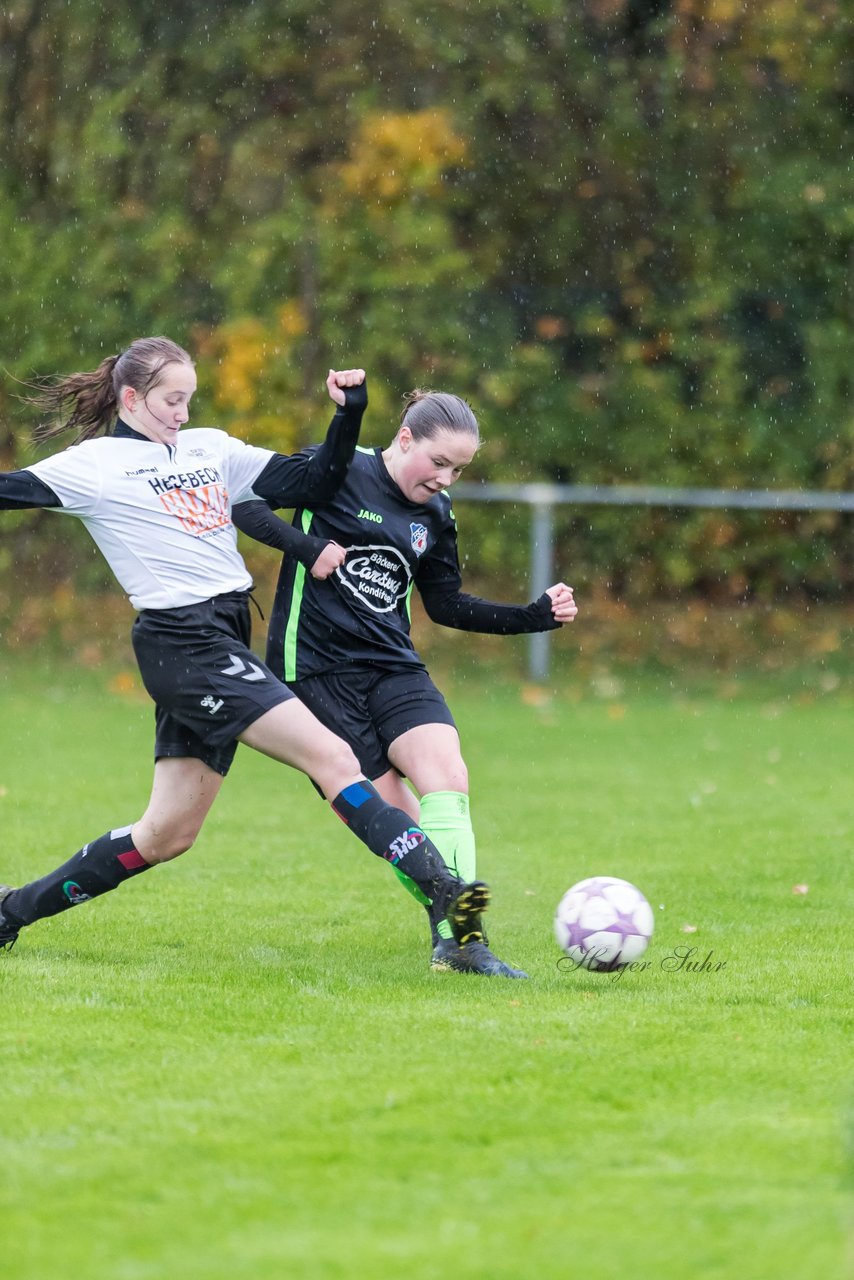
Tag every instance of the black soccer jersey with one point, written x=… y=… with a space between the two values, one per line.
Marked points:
x=361 y=612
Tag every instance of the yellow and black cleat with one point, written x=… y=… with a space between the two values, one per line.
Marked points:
x=464 y=910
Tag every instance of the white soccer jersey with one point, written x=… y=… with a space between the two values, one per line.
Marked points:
x=161 y=514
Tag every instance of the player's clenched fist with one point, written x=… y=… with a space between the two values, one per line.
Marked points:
x=328 y=561
x=564 y=607
x=341 y=378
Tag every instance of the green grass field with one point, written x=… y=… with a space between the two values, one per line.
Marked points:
x=240 y=1065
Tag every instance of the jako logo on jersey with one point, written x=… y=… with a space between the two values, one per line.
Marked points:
x=212 y=704
x=74 y=893
x=418 y=533
x=404 y=844
x=370 y=515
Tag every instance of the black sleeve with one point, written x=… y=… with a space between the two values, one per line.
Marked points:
x=312 y=477
x=21 y=489
x=256 y=519
x=438 y=580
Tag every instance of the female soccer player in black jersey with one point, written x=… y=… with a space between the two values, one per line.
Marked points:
x=157 y=500
x=339 y=634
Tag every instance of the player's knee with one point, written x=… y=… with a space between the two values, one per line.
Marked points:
x=164 y=844
x=179 y=843
x=344 y=761
x=338 y=767
x=445 y=775
x=458 y=779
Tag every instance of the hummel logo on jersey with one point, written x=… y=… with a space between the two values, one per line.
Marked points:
x=212 y=704
x=239 y=667
x=364 y=514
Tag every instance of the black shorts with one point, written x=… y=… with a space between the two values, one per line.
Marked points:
x=370 y=706
x=207 y=684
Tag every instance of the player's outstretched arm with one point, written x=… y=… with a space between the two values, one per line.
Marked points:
x=439 y=583
x=451 y=607
x=20 y=490
x=318 y=555
x=313 y=476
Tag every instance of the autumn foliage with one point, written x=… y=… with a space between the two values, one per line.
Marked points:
x=622 y=230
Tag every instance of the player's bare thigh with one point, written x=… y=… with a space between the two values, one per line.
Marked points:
x=430 y=757
x=292 y=734
x=181 y=797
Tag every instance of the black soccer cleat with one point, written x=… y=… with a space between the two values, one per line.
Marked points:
x=473 y=957
x=8 y=931
x=462 y=910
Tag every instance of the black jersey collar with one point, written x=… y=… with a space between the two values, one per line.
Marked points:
x=122 y=429
x=125 y=432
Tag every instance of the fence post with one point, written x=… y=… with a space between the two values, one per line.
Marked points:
x=544 y=497
x=542 y=576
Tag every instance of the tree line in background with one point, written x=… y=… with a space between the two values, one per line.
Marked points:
x=621 y=228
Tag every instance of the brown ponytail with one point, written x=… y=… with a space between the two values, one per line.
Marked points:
x=89 y=402
x=427 y=412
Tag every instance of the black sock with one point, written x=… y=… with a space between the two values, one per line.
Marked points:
x=95 y=869
x=391 y=834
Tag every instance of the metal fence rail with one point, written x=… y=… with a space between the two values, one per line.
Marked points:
x=543 y=498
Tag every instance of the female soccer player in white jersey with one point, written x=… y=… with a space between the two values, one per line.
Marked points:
x=339 y=635
x=157 y=500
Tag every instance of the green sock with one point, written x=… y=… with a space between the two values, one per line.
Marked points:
x=445 y=818
x=411 y=887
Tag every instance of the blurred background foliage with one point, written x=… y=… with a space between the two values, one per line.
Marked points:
x=623 y=229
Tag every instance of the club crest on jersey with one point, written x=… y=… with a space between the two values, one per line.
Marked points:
x=418 y=533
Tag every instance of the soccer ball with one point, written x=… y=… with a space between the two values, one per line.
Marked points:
x=603 y=923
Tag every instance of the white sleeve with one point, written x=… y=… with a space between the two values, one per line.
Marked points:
x=75 y=477
x=243 y=465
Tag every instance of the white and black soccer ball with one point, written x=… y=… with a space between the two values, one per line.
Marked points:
x=603 y=923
